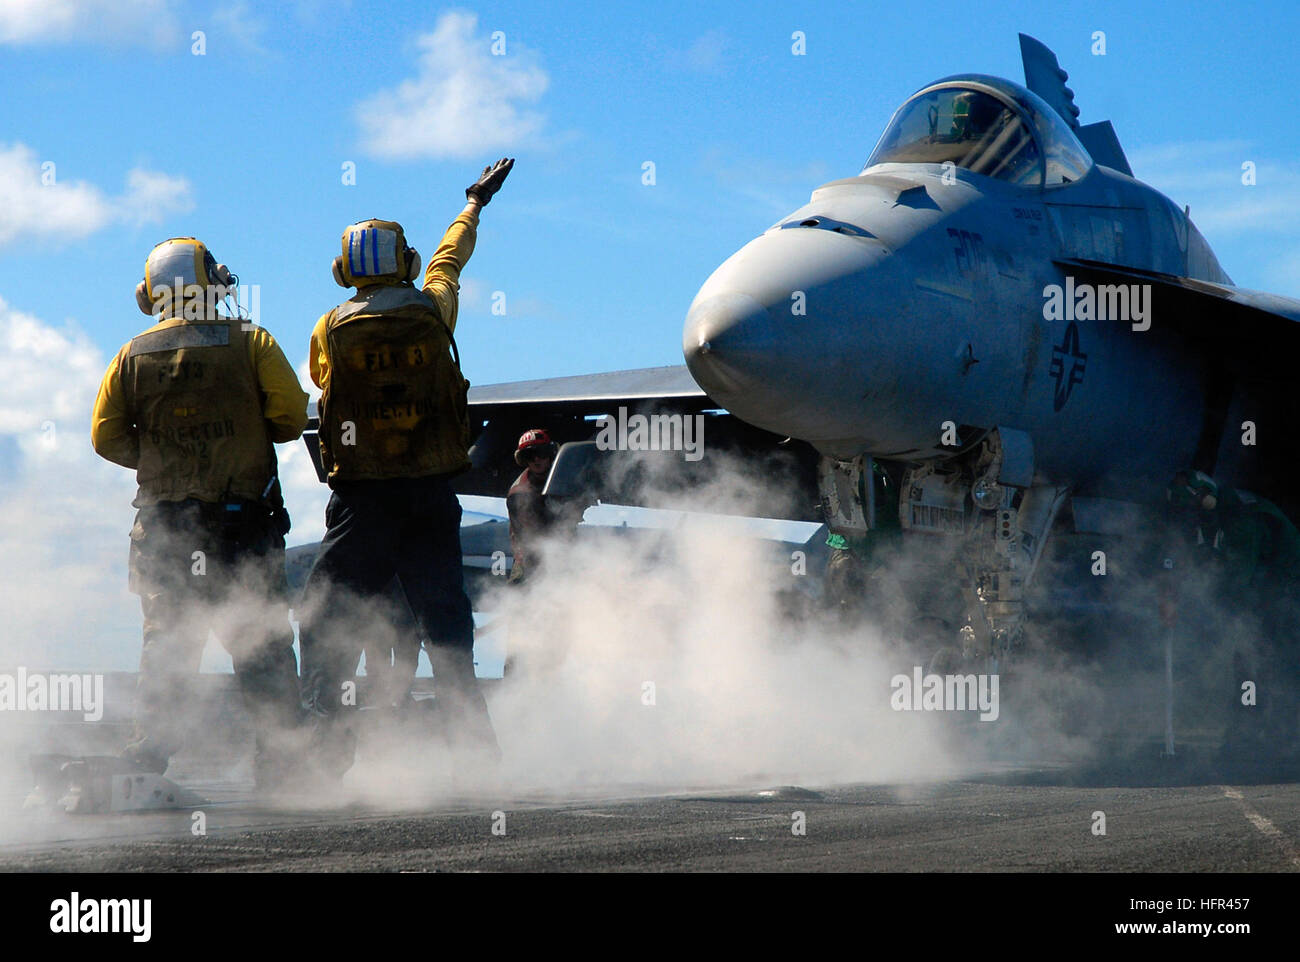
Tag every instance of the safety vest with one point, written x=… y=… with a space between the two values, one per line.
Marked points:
x=192 y=392
x=395 y=404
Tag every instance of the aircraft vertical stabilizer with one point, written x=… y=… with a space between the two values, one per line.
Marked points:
x=1044 y=76
x=1103 y=144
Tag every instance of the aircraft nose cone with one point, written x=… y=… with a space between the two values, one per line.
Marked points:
x=725 y=337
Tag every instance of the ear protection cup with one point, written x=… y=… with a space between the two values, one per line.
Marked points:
x=337 y=268
x=1209 y=502
x=218 y=274
x=142 y=299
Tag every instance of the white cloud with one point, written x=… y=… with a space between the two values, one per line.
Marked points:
x=463 y=102
x=1207 y=177
x=45 y=373
x=473 y=294
x=304 y=378
x=708 y=51
x=150 y=22
x=757 y=183
x=37 y=205
x=304 y=494
x=313 y=11
x=64 y=512
x=1250 y=227
x=706 y=54
x=151 y=196
x=239 y=23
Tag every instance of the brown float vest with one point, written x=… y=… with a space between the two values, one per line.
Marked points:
x=395 y=405
x=193 y=394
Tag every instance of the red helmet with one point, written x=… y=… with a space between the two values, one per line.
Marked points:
x=531 y=440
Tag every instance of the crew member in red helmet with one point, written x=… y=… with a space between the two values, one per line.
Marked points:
x=530 y=517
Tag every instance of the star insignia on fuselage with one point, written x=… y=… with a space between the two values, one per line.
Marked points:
x=1068 y=349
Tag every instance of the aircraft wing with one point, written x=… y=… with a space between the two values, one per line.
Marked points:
x=1239 y=325
x=499 y=413
x=594 y=391
x=1245 y=343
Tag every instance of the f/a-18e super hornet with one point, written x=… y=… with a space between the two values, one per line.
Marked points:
x=1030 y=340
x=998 y=307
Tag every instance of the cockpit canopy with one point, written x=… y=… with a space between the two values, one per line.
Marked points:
x=988 y=126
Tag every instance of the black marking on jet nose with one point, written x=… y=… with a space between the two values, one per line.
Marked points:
x=916 y=197
x=1068 y=348
x=829 y=223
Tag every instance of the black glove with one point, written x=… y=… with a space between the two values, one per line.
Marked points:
x=490 y=181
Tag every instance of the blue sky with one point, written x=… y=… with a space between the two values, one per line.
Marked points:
x=244 y=147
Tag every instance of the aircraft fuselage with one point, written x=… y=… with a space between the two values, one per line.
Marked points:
x=913 y=295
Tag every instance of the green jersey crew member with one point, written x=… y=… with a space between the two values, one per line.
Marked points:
x=394 y=430
x=1246 y=552
x=194 y=405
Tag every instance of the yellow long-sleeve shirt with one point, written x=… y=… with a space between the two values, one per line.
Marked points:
x=284 y=403
x=441 y=282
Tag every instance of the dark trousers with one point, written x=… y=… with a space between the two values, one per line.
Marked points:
x=408 y=528
x=201 y=568
x=391 y=663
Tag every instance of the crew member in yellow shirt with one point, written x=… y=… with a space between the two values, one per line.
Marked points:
x=194 y=406
x=394 y=429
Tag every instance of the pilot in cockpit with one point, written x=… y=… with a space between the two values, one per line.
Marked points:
x=973 y=115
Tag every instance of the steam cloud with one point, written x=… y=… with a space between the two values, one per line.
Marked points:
x=668 y=659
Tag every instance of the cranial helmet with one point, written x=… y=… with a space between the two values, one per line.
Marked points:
x=1193 y=489
x=179 y=262
x=532 y=440
x=375 y=252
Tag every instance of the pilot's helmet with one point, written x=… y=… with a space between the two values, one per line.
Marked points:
x=984 y=111
x=973 y=113
x=961 y=112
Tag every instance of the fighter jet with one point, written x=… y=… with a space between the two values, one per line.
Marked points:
x=996 y=305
